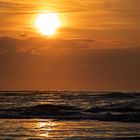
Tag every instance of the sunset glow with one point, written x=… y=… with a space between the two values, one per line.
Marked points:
x=70 y=69
x=70 y=45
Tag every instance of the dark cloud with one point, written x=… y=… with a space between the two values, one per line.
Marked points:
x=8 y=44
x=23 y=35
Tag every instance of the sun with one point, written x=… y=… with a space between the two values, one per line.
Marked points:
x=47 y=23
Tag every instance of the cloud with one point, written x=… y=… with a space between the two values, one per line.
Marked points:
x=33 y=7
x=77 y=68
x=123 y=5
x=5 y=4
x=8 y=44
x=40 y=45
x=44 y=46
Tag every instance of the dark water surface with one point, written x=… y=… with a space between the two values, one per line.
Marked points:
x=37 y=115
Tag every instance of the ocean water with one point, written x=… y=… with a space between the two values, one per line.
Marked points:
x=69 y=115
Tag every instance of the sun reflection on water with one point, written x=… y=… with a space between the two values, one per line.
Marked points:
x=59 y=129
x=46 y=127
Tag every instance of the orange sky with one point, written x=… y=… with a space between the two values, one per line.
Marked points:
x=96 y=48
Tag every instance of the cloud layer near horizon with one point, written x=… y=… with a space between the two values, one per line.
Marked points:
x=40 y=63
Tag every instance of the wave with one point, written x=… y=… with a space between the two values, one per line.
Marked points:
x=72 y=113
x=71 y=105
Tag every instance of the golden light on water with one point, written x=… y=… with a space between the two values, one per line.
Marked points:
x=47 y=23
x=47 y=126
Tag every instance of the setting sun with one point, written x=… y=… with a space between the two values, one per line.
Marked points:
x=48 y=23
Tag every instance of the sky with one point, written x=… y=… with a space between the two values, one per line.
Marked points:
x=97 y=46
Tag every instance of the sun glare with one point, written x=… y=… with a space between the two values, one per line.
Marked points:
x=47 y=23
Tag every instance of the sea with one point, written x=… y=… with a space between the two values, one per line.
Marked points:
x=69 y=115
